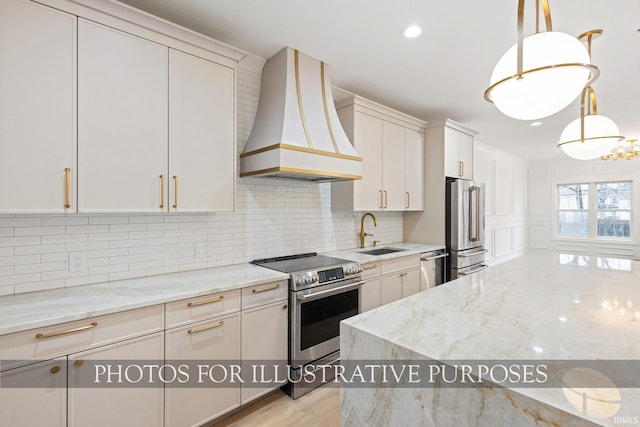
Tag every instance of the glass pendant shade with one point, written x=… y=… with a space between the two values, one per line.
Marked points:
x=595 y=144
x=554 y=71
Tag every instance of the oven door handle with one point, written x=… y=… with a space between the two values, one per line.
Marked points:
x=329 y=292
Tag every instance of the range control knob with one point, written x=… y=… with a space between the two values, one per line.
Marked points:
x=359 y=268
x=347 y=270
x=307 y=279
x=299 y=280
x=315 y=277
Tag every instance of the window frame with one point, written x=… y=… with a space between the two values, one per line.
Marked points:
x=592 y=210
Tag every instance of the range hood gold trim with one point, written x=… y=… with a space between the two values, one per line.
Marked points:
x=300 y=171
x=302 y=116
x=298 y=148
x=326 y=109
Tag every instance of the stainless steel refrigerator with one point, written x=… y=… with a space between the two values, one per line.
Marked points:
x=465 y=227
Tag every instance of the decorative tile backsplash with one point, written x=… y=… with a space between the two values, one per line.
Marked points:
x=272 y=217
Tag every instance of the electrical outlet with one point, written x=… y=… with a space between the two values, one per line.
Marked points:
x=202 y=250
x=77 y=261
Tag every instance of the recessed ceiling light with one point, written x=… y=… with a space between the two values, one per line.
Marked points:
x=412 y=32
x=537 y=349
x=536 y=124
x=562 y=319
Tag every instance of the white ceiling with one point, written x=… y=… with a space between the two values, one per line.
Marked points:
x=444 y=72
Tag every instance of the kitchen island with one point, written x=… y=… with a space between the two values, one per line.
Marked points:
x=574 y=314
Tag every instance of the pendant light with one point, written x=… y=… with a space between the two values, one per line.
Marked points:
x=541 y=74
x=590 y=136
x=622 y=152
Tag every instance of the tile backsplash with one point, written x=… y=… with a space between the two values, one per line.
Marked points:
x=272 y=217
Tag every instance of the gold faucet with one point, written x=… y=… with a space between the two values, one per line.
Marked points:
x=362 y=233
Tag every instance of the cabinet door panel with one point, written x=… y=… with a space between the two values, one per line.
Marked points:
x=42 y=404
x=413 y=179
x=122 y=120
x=201 y=134
x=452 y=166
x=411 y=282
x=368 y=144
x=391 y=288
x=264 y=340
x=37 y=107
x=465 y=150
x=208 y=341
x=370 y=294
x=393 y=166
x=119 y=406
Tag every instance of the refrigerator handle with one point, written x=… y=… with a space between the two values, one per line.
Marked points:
x=474 y=213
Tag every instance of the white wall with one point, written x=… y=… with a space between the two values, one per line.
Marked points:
x=506 y=179
x=545 y=176
x=272 y=217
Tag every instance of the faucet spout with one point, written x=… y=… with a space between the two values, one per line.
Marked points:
x=362 y=232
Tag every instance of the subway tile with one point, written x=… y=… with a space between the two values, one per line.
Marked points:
x=116 y=228
x=20 y=222
x=145 y=234
x=97 y=237
x=86 y=229
x=106 y=269
x=88 y=280
x=58 y=256
x=7 y=290
x=86 y=246
x=127 y=243
x=63 y=238
x=17 y=279
x=145 y=250
x=100 y=253
x=19 y=241
x=38 y=231
x=6 y=232
x=62 y=274
x=96 y=262
x=127 y=259
x=146 y=219
x=193 y=266
x=39 y=249
x=99 y=220
x=39 y=286
x=19 y=260
x=39 y=268
x=126 y=275
x=145 y=265
x=65 y=220
x=6 y=270
x=163 y=226
x=162 y=270
x=7 y=251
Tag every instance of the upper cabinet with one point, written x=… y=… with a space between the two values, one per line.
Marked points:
x=37 y=108
x=458 y=148
x=122 y=121
x=107 y=109
x=391 y=146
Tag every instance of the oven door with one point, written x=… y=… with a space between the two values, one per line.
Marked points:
x=315 y=319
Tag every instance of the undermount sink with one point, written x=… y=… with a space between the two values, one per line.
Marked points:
x=381 y=251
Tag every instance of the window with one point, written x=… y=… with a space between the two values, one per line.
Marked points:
x=596 y=209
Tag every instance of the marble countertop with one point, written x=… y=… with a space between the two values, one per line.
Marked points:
x=539 y=306
x=37 y=309
x=356 y=254
x=44 y=308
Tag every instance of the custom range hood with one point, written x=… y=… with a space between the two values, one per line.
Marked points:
x=297 y=133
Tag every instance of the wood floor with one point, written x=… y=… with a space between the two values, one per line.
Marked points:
x=319 y=408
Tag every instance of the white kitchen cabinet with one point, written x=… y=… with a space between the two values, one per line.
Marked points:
x=389 y=280
x=122 y=121
x=410 y=282
x=37 y=108
x=413 y=170
x=41 y=404
x=215 y=340
x=370 y=291
x=201 y=134
x=391 y=288
x=118 y=406
x=264 y=341
x=388 y=142
x=458 y=153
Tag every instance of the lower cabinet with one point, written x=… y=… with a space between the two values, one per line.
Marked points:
x=125 y=405
x=370 y=291
x=389 y=280
x=43 y=402
x=212 y=342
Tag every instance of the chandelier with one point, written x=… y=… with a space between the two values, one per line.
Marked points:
x=592 y=135
x=541 y=74
x=620 y=152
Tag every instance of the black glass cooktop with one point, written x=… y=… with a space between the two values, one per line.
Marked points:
x=302 y=262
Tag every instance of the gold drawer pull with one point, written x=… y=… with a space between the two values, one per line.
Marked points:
x=78 y=363
x=206 y=328
x=67 y=188
x=55 y=369
x=284 y=307
x=70 y=331
x=370 y=267
x=257 y=291
x=208 y=301
x=161 y=191
x=175 y=192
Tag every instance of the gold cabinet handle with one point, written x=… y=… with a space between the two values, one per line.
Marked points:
x=70 y=331
x=54 y=369
x=369 y=267
x=284 y=307
x=67 y=188
x=175 y=191
x=205 y=328
x=78 y=363
x=385 y=198
x=208 y=301
x=161 y=191
x=380 y=191
x=408 y=200
x=270 y=288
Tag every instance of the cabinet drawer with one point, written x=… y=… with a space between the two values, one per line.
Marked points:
x=65 y=338
x=401 y=263
x=201 y=308
x=371 y=269
x=254 y=296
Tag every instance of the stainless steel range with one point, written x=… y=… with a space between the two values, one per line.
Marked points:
x=322 y=292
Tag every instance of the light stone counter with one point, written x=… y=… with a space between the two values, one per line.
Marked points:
x=356 y=255
x=541 y=306
x=37 y=309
